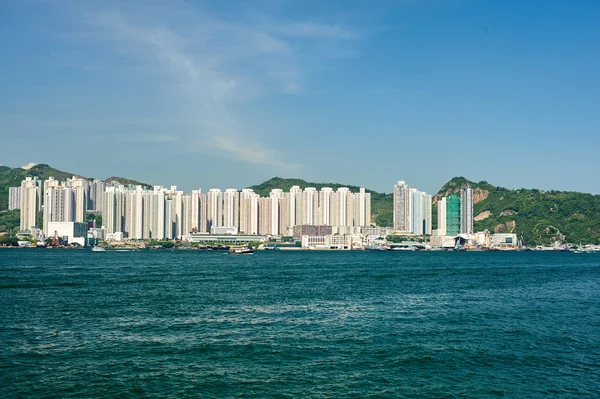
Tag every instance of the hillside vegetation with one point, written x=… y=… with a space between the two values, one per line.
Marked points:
x=12 y=177
x=539 y=217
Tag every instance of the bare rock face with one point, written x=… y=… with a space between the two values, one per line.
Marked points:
x=508 y=227
x=508 y=212
x=482 y=216
x=479 y=195
x=511 y=226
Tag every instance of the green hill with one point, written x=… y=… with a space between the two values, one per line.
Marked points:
x=540 y=217
x=381 y=204
x=12 y=177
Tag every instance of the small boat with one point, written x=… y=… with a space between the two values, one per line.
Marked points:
x=241 y=250
x=273 y=248
x=96 y=248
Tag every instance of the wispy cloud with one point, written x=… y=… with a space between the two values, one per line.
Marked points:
x=211 y=63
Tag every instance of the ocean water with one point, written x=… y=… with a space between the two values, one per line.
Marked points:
x=76 y=323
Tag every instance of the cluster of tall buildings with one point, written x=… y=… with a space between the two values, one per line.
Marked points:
x=412 y=210
x=65 y=201
x=163 y=213
x=455 y=213
x=136 y=212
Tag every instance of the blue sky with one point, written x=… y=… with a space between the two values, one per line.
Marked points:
x=231 y=93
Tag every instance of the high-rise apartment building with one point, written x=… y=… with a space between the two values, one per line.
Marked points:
x=265 y=215
x=14 y=198
x=248 y=212
x=362 y=210
x=215 y=208
x=59 y=206
x=195 y=211
x=466 y=210
x=295 y=206
x=402 y=220
x=310 y=205
x=325 y=206
x=157 y=213
x=80 y=188
x=231 y=208
x=30 y=200
x=453 y=215
x=412 y=210
x=96 y=195
x=441 y=227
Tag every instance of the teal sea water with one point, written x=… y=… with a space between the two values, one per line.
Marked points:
x=76 y=323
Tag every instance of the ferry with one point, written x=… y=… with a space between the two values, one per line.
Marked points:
x=241 y=250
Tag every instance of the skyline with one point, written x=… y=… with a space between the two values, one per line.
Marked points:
x=230 y=95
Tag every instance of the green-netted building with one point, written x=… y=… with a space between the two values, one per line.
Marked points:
x=453 y=215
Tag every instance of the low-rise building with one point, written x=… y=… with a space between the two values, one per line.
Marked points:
x=71 y=232
x=314 y=241
x=500 y=240
x=338 y=241
x=311 y=230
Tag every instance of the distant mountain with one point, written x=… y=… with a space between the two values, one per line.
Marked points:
x=12 y=177
x=381 y=204
x=539 y=217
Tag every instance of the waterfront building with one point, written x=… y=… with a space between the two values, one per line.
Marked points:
x=362 y=208
x=453 y=215
x=311 y=230
x=178 y=213
x=466 y=210
x=203 y=212
x=157 y=213
x=80 y=188
x=402 y=207
x=30 y=200
x=248 y=212
x=51 y=182
x=231 y=208
x=215 y=208
x=14 y=198
x=96 y=195
x=59 y=206
x=265 y=215
x=284 y=214
x=295 y=206
x=441 y=226
x=340 y=207
x=325 y=205
x=71 y=232
x=169 y=218
x=275 y=196
x=186 y=215
x=195 y=211
x=110 y=221
x=427 y=217
x=310 y=205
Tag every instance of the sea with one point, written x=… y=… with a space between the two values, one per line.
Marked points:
x=298 y=324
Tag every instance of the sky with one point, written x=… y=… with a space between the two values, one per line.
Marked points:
x=227 y=94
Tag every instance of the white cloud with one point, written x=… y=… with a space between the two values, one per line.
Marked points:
x=211 y=63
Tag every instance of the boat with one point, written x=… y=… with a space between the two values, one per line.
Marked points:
x=96 y=248
x=241 y=250
x=273 y=248
x=402 y=248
